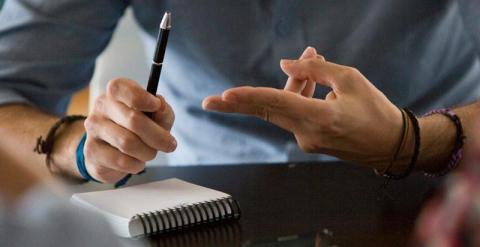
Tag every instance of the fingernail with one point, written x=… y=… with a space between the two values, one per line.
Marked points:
x=162 y=107
x=206 y=105
x=173 y=145
x=159 y=104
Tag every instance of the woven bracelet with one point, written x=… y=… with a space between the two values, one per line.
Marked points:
x=45 y=145
x=457 y=153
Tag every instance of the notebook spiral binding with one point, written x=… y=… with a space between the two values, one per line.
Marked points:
x=186 y=216
x=228 y=234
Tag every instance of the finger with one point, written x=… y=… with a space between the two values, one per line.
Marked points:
x=128 y=143
x=275 y=99
x=137 y=122
x=323 y=72
x=95 y=168
x=165 y=118
x=280 y=107
x=330 y=96
x=215 y=103
x=101 y=153
x=309 y=89
x=294 y=84
x=105 y=174
x=310 y=85
x=130 y=93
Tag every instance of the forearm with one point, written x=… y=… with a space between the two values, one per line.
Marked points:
x=16 y=178
x=21 y=125
x=438 y=134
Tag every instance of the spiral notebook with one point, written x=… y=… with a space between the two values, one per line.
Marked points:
x=158 y=207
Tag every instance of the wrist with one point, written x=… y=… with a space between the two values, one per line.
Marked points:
x=64 y=150
x=438 y=135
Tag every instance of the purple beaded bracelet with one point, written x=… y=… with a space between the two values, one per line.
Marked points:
x=457 y=152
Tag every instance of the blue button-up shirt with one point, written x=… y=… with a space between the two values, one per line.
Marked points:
x=421 y=54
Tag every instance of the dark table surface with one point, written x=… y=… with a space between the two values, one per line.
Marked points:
x=314 y=204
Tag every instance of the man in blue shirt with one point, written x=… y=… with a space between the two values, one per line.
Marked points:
x=420 y=55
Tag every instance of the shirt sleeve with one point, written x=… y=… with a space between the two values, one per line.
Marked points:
x=48 y=48
x=470 y=11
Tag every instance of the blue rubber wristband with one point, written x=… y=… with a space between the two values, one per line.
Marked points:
x=83 y=169
x=81 y=160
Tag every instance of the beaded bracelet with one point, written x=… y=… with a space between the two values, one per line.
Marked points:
x=457 y=152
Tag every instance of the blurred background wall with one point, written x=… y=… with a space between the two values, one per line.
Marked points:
x=124 y=57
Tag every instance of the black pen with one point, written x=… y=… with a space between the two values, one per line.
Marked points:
x=156 y=68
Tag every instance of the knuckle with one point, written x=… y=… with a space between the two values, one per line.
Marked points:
x=122 y=162
x=90 y=123
x=350 y=73
x=126 y=143
x=133 y=120
x=353 y=71
x=114 y=86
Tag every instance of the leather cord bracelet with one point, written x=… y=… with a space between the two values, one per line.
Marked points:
x=457 y=153
x=401 y=142
x=46 y=145
x=416 y=151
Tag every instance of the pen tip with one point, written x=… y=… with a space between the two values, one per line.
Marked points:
x=166 y=21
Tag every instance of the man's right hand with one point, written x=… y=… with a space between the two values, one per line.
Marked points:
x=120 y=137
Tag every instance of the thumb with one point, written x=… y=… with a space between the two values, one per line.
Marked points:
x=165 y=117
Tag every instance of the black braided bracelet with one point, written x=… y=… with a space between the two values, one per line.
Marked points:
x=45 y=146
x=416 y=151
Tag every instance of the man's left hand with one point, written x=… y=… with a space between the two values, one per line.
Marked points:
x=355 y=121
